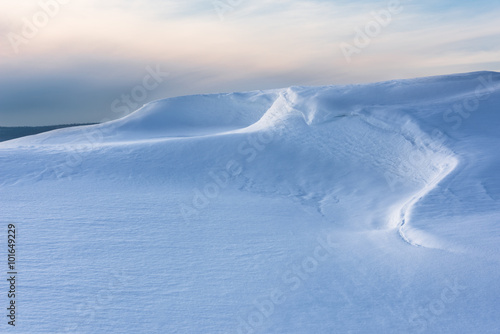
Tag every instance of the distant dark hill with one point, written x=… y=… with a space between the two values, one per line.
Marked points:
x=8 y=133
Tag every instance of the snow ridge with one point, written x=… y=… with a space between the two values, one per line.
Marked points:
x=404 y=213
x=282 y=211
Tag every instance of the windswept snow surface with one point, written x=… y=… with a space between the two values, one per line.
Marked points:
x=340 y=209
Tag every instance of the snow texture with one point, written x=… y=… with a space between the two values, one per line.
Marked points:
x=340 y=209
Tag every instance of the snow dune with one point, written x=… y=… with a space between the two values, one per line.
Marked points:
x=352 y=209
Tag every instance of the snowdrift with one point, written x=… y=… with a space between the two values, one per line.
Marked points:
x=227 y=197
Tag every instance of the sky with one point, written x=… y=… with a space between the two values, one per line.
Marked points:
x=74 y=61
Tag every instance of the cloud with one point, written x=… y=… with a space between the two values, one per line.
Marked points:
x=100 y=49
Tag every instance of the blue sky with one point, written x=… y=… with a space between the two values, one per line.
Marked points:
x=89 y=54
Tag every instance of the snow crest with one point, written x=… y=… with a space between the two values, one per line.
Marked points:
x=210 y=205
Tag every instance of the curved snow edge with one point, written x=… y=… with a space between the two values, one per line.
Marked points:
x=405 y=211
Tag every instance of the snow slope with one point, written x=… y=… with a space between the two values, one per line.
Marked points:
x=339 y=209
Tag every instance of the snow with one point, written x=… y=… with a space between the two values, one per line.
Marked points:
x=339 y=209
